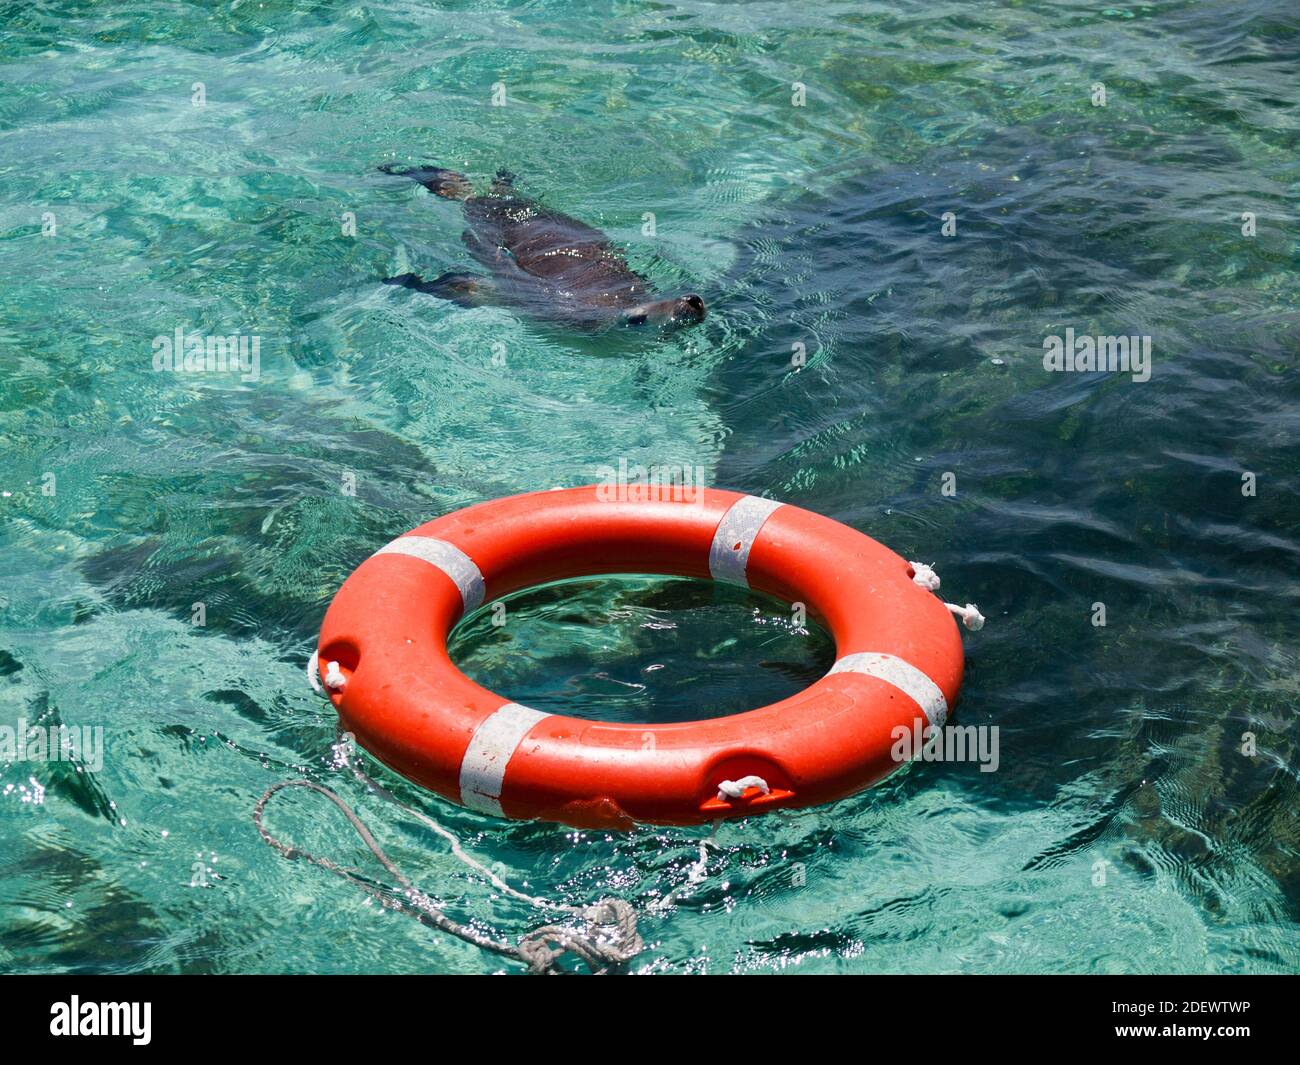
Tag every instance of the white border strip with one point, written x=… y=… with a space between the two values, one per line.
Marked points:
x=902 y=675
x=483 y=769
x=449 y=558
x=739 y=526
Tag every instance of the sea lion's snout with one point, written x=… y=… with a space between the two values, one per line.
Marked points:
x=668 y=314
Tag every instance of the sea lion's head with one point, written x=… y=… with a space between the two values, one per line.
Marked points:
x=675 y=313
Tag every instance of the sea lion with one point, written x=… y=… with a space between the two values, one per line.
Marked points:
x=543 y=262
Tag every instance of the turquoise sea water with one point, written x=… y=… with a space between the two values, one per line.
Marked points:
x=1124 y=830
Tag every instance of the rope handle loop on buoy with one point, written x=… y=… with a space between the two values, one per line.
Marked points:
x=334 y=678
x=926 y=577
x=734 y=789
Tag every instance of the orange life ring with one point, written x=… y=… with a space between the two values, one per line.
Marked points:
x=898 y=659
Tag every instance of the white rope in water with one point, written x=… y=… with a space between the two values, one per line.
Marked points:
x=607 y=939
x=343 y=750
x=699 y=870
x=970 y=615
x=313 y=671
x=929 y=580
x=610 y=937
x=695 y=875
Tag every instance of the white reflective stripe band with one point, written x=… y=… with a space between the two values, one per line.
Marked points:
x=729 y=552
x=483 y=769
x=449 y=558
x=902 y=675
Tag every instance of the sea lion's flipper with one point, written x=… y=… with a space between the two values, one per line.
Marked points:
x=467 y=290
x=445 y=183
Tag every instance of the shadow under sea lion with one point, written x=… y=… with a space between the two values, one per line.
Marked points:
x=545 y=263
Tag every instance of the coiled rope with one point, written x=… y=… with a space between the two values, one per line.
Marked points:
x=607 y=939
